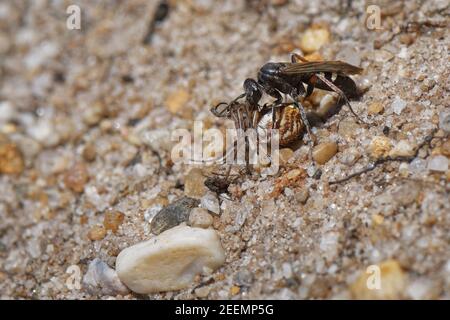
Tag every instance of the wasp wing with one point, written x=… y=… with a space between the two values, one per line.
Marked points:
x=321 y=66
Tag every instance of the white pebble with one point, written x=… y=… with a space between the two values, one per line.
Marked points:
x=398 y=105
x=103 y=279
x=444 y=120
x=438 y=163
x=418 y=165
x=402 y=149
x=211 y=203
x=171 y=260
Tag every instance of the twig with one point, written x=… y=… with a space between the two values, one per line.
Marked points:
x=161 y=13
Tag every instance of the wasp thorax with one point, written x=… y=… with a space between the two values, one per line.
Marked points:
x=287 y=120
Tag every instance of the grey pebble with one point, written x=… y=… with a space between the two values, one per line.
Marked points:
x=172 y=215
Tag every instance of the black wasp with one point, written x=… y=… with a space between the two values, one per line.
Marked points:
x=296 y=79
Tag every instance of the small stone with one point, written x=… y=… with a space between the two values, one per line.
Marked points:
x=445 y=148
x=382 y=55
x=7 y=112
x=97 y=233
x=348 y=128
x=76 y=177
x=202 y=292
x=314 y=38
x=89 y=152
x=422 y=289
x=200 y=218
x=294 y=174
x=438 y=163
x=173 y=215
x=302 y=196
x=406 y=194
x=392 y=283
x=324 y=152
x=194 y=184
x=244 y=278
x=102 y=279
x=407 y=38
x=380 y=147
x=112 y=220
x=284 y=155
x=376 y=107
x=170 y=261
x=177 y=100
x=418 y=166
x=444 y=120
x=151 y=212
x=402 y=149
x=211 y=203
x=234 y=290
x=94 y=113
x=350 y=55
x=398 y=105
x=11 y=159
x=349 y=156
x=378 y=219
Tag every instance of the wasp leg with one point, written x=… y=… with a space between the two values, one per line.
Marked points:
x=341 y=95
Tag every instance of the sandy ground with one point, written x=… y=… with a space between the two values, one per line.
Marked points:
x=82 y=112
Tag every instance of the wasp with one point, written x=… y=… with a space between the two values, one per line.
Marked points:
x=294 y=79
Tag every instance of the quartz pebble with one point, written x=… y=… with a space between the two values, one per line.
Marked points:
x=89 y=152
x=445 y=148
x=102 y=279
x=302 y=196
x=438 y=163
x=176 y=101
x=202 y=292
x=398 y=105
x=402 y=149
x=348 y=128
x=444 y=121
x=172 y=215
x=211 y=203
x=349 y=156
x=76 y=177
x=406 y=194
x=97 y=233
x=314 y=38
x=379 y=147
x=112 y=220
x=200 y=218
x=376 y=107
x=285 y=154
x=350 y=55
x=392 y=282
x=11 y=159
x=324 y=152
x=170 y=261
